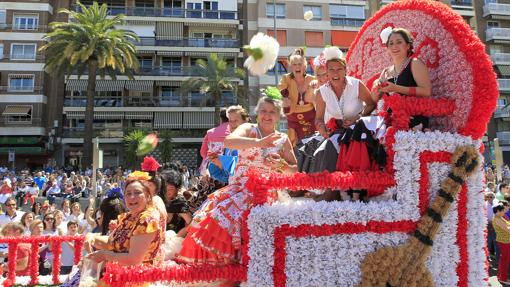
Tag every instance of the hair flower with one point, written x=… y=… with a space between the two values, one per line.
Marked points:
x=262 y=51
x=385 y=34
x=273 y=93
x=332 y=53
x=115 y=192
x=139 y=175
x=150 y=164
x=319 y=61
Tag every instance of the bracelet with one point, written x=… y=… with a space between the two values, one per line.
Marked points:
x=283 y=164
x=412 y=92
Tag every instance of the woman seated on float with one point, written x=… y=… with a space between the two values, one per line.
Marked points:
x=138 y=235
x=407 y=76
x=214 y=236
x=296 y=89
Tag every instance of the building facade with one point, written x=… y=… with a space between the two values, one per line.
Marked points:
x=28 y=95
x=173 y=35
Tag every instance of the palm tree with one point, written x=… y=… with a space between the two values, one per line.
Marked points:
x=131 y=142
x=213 y=77
x=90 y=42
x=166 y=145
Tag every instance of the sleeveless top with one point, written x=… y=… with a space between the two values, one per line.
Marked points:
x=349 y=104
x=406 y=79
x=289 y=88
x=502 y=236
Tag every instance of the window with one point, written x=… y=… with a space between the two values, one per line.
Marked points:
x=25 y=22
x=170 y=97
x=492 y=24
x=494 y=49
x=23 y=51
x=316 y=10
x=196 y=99
x=1 y=51
x=346 y=15
x=194 y=10
x=227 y=98
x=314 y=39
x=145 y=63
x=501 y=102
x=18 y=114
x=193 y=61
x=281 y=36
x=172 y=4
x=280 y=10
x=280 y=68
x=144 y=3
x=3 y=21
x=21 y=83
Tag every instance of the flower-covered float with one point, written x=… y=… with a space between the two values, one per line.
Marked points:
x=427 y=227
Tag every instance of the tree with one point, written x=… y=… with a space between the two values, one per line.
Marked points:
x=166 y=145
x=90 y=42
x=213 y=77
x=131 y=142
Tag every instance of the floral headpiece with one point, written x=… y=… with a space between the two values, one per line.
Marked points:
x=262 y=51
x=333 y=53
x=115 y=192
x=319 y=61
x=273 y=93
x=150 y=164
x=385 y=34
x=138 y=175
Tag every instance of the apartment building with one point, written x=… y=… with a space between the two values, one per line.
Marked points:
x=28 y=96
x=174 y=35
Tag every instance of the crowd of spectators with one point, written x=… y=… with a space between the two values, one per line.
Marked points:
x=60 y=202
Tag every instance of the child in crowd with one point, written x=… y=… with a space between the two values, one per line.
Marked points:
x=67 y=260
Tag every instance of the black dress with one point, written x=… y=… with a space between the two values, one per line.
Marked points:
x=173 y=208
x=406 y=79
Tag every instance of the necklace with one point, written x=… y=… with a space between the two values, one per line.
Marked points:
x=342 y=98
x=301 y=98
x=402 y=67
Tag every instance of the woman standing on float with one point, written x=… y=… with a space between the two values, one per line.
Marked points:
x=408 y=75
x=297 y=91
x=214 y=236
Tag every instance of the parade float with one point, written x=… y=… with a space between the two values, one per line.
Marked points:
x=425 y=229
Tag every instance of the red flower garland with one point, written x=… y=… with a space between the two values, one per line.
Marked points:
x=56 y=250
x=485 y=88
x=116 y=275
x=78 y=248
x=12 y=254
x=34 y=264
x=462 y=230
x=284 y=231
x=427 y=157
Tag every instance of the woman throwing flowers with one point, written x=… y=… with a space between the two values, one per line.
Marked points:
x=407 y=76
x=214 y=236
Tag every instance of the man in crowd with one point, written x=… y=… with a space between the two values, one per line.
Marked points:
x=40 y=180
x=11 y=214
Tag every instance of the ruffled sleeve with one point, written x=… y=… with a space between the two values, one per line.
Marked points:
x=148 y=222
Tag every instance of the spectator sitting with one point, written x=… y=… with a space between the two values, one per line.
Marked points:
x=11 y=214
x=76 y=214
x=14 y=229
x=26 y=220
x=53 y=192
x=5 y=190
x=67 y=260
x=40 y=180
x=36 y=209
x=21 y=190
x=66 y=208
x=59 y=222
x=33 y=192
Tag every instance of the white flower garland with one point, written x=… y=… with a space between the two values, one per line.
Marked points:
x=335 y=260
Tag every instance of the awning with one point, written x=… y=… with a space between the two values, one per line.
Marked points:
x=504 y=70
x=108 y=115
x=109 y=85
x=75 y=115
x=139 y=22
x=205 y=54
x=23 y=150
x=168 y=120
x=168 y=83
x=170 y=53
x=169 y=30
x=209 y=24
x=76 y=85
x=138 y=115
x=139 y=85
x=145 y=52
x=198 y=120
x=17 y=111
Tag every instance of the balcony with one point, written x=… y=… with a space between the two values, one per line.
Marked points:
x=177 y=71
x=20 y=89
x=33 y=122
x=119 y=133
x=504 y=85
x=347 y=22
x=497 y=11
x=498 y=35
x=23 y=28
x=170 y=12
x=190 y=42
x=501 y=58
x=503 y=137
x=502 y=112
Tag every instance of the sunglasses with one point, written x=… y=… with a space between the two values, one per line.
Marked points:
x=12 y=204
x=49 y=218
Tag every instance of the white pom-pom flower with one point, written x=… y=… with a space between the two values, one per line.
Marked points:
x=262 y=51
x=308 y=15
x=385 y=34
x=331 y=53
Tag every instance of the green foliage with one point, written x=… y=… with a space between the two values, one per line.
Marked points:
x=166 y=145
x=214 y=76
x=131 y=142
x=90 y=35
